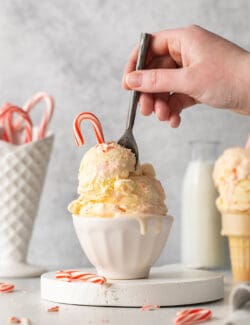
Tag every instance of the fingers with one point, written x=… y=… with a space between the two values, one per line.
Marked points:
x=166 y=107
x=160 y=80
x=130 y=66
x=175 y=121
x=161 y=107
x=177 y=102
x=146 y=103
x=162 y=43
x=162 y=62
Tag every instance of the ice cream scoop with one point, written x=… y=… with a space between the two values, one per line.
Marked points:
x=110 y=185
x=232 y=179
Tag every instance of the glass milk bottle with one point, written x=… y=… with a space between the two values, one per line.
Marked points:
x=202 y=246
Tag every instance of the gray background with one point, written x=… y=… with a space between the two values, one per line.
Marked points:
x=76 y=50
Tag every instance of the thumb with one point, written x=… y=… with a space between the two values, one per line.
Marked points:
x=159 y=80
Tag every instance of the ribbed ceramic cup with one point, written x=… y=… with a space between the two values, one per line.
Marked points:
x=124 y=247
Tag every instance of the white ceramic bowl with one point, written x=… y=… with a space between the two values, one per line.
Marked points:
x=116 y=246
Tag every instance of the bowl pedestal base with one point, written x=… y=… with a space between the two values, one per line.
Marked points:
x=20 y=270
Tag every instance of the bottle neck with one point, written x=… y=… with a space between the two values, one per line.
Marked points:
x=204 y=150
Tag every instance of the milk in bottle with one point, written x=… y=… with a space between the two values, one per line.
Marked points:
x=202 y=246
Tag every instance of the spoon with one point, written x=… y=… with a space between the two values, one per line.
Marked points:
x=127 y=140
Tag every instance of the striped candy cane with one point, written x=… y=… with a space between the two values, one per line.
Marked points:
x=5 y=122
x=88 y=277
x=6 y=118
x=192 y=316
x=75 y=275
x=96 y=124
x=6 y=287
x=31 y=103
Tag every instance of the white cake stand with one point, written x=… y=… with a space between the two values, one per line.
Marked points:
x=169 y=285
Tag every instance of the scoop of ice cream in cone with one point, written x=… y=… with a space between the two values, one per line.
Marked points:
x=232 y=179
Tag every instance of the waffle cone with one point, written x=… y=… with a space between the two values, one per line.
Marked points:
x=237 y=227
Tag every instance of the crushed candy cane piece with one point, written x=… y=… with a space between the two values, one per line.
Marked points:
x=192 y=316
x=75 y=275
x=6 y=287
x=14 y=320
x=53 y=309
x=149 y=307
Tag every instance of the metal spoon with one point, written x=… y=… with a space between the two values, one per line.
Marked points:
x=127 y=140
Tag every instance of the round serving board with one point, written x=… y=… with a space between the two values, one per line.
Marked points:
x=169 y=285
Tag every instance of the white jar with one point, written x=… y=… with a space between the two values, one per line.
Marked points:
x=202 y=245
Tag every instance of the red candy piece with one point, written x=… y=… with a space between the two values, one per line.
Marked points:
x=6 y=287
x=192 y=316
x=75 y=275
x=53 y=309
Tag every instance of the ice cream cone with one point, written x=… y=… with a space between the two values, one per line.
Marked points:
x=236 y=227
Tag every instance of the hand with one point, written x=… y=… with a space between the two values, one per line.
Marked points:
x=188 y=66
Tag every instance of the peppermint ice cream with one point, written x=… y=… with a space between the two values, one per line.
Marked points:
x=110 y=185
x=232 y=179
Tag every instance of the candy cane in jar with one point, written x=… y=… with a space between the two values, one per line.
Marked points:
x=7 y=121
x=50 y=104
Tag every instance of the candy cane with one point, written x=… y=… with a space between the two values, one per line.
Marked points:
x=150 y=307
x=75 y=275
x=53 y=309
x=5 y=122
x=88 y=277
x=6 y=287
x=80 y=276
x=29 y=105
x=192 y=316
x=6 y=118
x=96 y=124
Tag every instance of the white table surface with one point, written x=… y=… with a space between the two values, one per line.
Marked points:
x=25 y=301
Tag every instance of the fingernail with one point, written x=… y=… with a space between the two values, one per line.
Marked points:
x=134 y=79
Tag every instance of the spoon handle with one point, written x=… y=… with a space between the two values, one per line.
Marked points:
x=143 y=49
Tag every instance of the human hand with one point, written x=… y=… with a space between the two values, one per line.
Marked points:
x=187 y=66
